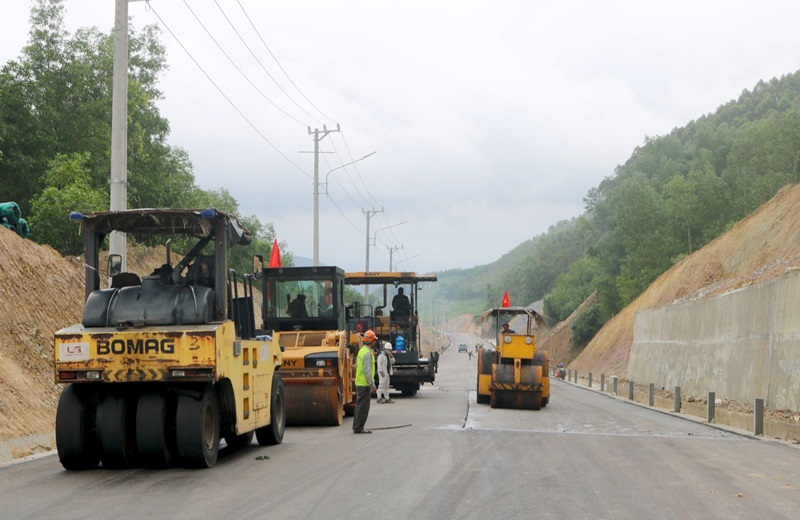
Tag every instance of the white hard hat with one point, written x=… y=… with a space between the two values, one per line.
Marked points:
x=387 y=346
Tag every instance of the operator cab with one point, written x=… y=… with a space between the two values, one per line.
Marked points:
x=303 y=298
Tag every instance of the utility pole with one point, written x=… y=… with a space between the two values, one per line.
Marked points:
x=119 y=127
x=369 y=213
x=318 y=136
x=392 y=249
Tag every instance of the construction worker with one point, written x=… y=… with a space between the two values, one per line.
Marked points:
x=384 y=371
x=365 y=381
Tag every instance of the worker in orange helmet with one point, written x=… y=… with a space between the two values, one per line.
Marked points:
x=365 y=380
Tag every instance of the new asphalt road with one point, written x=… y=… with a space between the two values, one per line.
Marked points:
x=584 y=456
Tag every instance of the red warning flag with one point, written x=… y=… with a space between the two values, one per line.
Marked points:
x=275 y=256
x=506 y=302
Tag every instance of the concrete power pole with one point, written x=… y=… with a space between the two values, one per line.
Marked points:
x=392 y=249
x=369 y=213
x=119 y=127
x=318 y=136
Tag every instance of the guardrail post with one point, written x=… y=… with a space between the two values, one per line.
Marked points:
x=711 y=404
x=652 y=395
x=614 y=384
x=677 y=407
x=576 y=378
x=630 y=390
x=758 y=416
x=590 y=379
x=602 y=382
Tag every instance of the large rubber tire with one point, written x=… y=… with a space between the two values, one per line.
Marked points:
x=116 y=429
x=480 y=399
x=486 y=358
x=75 y=435
x=273 y=433
x=197 y=429
x=409 y=390
x=153 y=418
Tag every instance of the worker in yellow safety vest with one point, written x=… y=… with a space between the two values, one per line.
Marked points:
x=365 y=380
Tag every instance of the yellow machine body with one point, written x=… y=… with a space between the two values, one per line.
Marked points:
x=174 y=354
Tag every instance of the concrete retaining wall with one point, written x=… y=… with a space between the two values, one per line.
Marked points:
x=741 y=345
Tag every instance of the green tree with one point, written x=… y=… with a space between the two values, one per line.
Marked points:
x=585 y=326
x=68 y=190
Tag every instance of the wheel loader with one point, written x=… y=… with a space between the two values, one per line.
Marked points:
x=398 y=326
x=513 y=373
x=304 y=312
x=167 y=361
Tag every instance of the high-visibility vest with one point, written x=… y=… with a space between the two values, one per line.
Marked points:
x=361 y=379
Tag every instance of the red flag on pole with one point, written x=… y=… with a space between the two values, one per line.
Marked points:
x=275 y=256
x=506 y=302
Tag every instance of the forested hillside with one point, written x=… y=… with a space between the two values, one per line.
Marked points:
x=674 y=194
x=55 y=133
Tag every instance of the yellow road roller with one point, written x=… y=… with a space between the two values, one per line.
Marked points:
x=304 y=312
x=165 y=361
x=512 y=373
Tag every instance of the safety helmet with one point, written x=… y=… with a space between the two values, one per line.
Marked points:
x=369 y=336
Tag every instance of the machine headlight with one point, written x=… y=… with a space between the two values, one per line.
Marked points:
x=528 y=340
x=507 y=339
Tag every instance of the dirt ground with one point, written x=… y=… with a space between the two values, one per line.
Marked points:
x=40 y=292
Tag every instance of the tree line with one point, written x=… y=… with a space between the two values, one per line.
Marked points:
x=675 y=193
x=55 y=134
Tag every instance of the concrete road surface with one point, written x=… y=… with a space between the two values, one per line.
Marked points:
x=585 y=456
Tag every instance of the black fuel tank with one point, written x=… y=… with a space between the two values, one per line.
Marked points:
x=149 y=304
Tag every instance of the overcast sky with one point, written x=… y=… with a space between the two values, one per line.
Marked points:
x=491 y=119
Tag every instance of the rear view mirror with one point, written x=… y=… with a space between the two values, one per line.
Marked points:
x=114 y=265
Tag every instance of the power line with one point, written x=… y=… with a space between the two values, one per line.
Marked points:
x=360 y=231
x=223 y=93
x=358 y=173
x=279 y=64
x=262 y=65
x=287 y=114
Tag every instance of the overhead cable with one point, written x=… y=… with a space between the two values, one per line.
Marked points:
x=287 y=114
x=224 y=95
x=262 y=65
x=279 y=64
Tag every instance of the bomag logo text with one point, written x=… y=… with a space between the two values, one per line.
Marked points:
x=135 y=346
